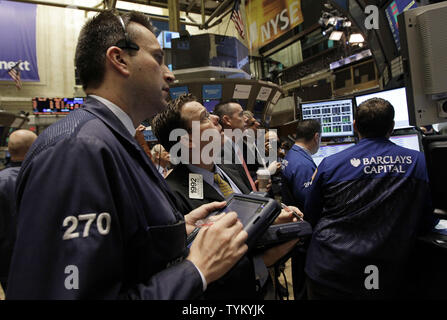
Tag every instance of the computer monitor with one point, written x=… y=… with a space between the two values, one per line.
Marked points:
x=423 y=43
x=410 y=141
x=329 y=150
x=336 y=116
x=210 y=104
x=435 y=150
x=398 y=98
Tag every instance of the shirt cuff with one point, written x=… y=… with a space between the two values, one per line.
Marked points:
x=261 y=271
x=204 y=284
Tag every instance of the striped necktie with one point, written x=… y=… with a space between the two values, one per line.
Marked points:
x=247 y=173
x=224 y=186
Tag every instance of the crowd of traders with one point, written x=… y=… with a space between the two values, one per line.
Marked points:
x=101 y=216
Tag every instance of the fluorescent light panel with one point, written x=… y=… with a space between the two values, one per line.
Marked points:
x=336 y=35
x=356 y=38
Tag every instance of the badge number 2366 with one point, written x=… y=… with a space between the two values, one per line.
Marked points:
x=103 y=221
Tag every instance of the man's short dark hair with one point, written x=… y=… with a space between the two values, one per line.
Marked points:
x=98 y=34
x=306 y=129
x=374 y=118
x=223 y=108
x=170 y=119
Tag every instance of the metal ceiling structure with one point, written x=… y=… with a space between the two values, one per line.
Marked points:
x=212 y=11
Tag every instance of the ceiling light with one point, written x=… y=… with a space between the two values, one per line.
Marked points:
x=332 y=21
x=356 y=38
x=336 y=35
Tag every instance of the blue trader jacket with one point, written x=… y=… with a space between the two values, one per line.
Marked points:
x=297 y=176
x=96 y=219
x=8 y=178
x=367 y=205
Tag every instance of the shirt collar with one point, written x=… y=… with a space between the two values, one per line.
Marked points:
x=118 y=112
x=305 y=150
x=208 y=176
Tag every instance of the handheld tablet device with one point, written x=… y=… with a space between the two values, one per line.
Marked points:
x=279 y=233
x=256 y=214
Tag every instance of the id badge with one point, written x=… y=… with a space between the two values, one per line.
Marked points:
x=195 y=185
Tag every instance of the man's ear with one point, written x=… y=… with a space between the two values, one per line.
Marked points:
x=186 y=140
x=118 y=60
x=226 y=120
x=390 y=132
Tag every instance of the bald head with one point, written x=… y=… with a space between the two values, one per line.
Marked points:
x=19 y=143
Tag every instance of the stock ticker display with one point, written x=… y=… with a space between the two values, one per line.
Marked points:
x=56 y=105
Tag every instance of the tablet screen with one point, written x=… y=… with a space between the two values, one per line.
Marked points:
x=245 y=208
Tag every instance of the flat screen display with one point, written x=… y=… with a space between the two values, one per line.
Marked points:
x=329 y=150
x=335 y=116
x=56 y=105
x=175 y=92
x=212 y=91
x=410 y=141
x=398 y=98
x=245 y=208
x=392 y=11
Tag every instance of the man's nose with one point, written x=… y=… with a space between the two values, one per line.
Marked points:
x=215 y=121
x=168 y=75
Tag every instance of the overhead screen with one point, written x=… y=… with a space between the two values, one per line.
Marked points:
x=336 y=116
x=329 y=150
x=398 y=98
x=392 y=11
x=176 y=92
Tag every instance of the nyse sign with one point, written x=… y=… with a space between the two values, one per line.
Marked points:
x=269 y=19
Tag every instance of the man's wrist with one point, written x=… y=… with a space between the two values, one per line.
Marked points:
x=204 y=283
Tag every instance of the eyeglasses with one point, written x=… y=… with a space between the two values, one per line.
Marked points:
x=126 y=43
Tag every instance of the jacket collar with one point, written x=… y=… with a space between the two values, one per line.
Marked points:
x=111 y=120
x=302 y=151
x=101 y=111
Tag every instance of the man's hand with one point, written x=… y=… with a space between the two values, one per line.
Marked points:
x=268 y=186
x=201 y=213
x=272 y=255
x=274 y=167
x=288 y=214
x=217 y=248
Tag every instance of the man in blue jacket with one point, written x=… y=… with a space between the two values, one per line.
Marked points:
x=367 y=204
x=18 y=145
x=95 y=218
x=297 y=176
x=300 y=167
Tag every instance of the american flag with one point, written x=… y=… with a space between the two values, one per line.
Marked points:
x=236 y=16
x=14 y=72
